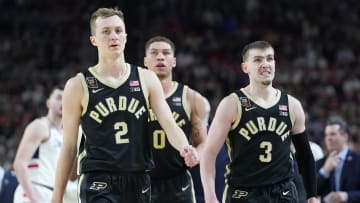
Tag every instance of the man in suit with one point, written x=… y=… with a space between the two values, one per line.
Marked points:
x=8 y=184
x=339 y=172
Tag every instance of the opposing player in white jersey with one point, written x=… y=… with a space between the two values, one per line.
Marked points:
x=36 y=158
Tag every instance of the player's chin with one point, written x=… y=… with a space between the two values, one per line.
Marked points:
x=266 y=82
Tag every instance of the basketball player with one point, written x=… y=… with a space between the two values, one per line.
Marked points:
x=36 y=158
x=258 y=123
x=111 y=101
x=170 y=179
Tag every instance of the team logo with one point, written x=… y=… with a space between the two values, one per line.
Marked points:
x=91 y=82
x=185 y=188
x=145 y=190
x=98 y=186
x=239 y=193
x=134 y=86
x=245 y=102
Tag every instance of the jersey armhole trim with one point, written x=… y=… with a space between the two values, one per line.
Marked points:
x=85 y=97
x=239 y=111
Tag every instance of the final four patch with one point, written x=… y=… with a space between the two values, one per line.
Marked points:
x=91 y=82
x=245 y=102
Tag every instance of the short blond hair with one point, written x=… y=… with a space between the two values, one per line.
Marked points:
x=104 y=13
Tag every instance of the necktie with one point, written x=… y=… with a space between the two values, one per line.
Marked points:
x=332 y=181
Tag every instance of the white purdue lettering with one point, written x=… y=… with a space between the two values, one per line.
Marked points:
x=140 y=112
x=281 y=128
x=261 y=123
x=272 y=124
x=94 y=115
x=133 y=105
x=252 y=128
x=245 y=134
x=102 y=110
x=111 y=104
x=100 y=107
x=122 y=103
x=152 y=116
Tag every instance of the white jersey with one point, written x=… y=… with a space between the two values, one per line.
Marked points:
x=43 y=164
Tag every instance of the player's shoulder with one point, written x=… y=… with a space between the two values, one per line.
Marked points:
x=38 y=127
x=38 y=122
x=293 y=101
x=75 y=83
x=196 y=98
x=148 y=75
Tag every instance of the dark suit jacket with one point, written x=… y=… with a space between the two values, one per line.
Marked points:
x=349 y=180
x=9 y=184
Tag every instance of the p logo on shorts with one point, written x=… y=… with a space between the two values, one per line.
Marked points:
x=98 y=186
x=239 y=193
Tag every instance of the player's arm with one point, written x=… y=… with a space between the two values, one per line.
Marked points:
x=35 y=133
x=162 y=111
x=199 y=117
x=71 y=110
x=225 y=115
x=303 y=151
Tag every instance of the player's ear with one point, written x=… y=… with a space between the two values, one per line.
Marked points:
x=145 y=60
x=174 y=63
x=93 y=40
x=244 y=67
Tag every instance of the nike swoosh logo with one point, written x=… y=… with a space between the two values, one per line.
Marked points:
x=145 y=190
x=249 y=109
x=185 y=188
x=98 y=90
x=285 y=193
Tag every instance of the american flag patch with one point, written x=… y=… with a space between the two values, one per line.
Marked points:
x=283 y=108
x=176 y=99
x=134 y=83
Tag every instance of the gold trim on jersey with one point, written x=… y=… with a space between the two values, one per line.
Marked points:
x=229 y=149
x=174 y=86
x=144 y=88
x=81 y=154
x=108 y=83
x=225 y=193
x=191 y=185
x=239 y=111
x=79 y=186
x=186 y=102
x=85 y=97
x=291 y=111
x=266 y=106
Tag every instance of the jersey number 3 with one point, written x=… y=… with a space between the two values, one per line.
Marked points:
x=267 y=156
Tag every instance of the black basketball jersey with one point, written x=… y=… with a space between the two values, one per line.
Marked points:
x=115 y=124
x=168 y=161
x=259 y=143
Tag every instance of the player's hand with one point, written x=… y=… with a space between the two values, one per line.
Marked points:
x=331 y=161
x=313 y=200
x=335 y=197
x=190 y=155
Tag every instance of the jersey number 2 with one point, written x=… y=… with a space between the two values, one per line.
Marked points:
x=121 y=130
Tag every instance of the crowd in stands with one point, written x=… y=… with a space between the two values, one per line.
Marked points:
x=317 y=45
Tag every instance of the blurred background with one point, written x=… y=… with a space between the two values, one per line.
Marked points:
x=317 y=45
